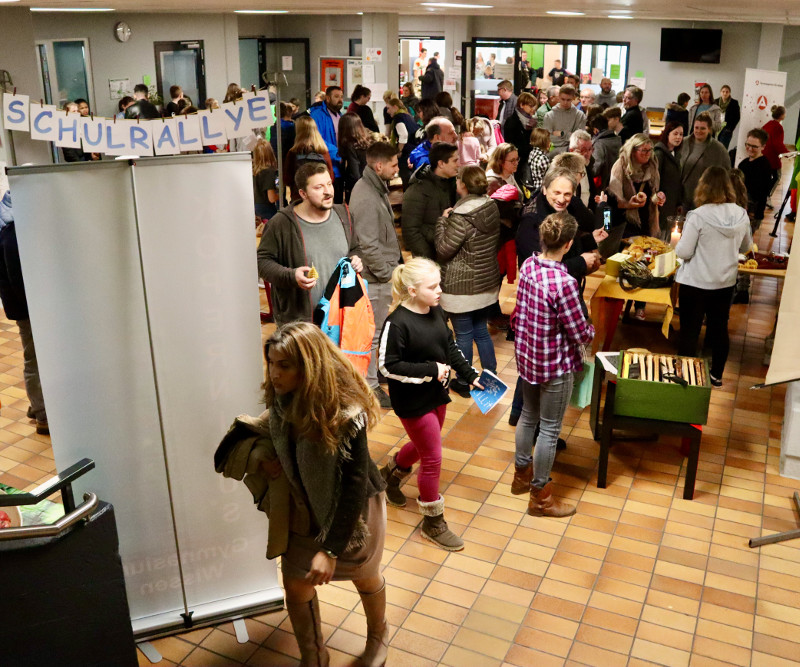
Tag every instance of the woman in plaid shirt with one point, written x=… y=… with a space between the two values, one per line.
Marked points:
x=550 y=332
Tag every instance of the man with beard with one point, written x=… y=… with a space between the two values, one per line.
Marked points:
x=326 y=114
x=606 y=98
x=633 y=118
x=314 y=233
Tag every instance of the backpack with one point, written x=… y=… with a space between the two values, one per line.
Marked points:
x=344 y=313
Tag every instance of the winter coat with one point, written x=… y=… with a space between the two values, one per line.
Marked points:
x=632 y=123
x=322 y=117
x=12 y=287
x=281 y=251
x=714 y=111
x=466 y=247
x=733 y=113
x=676 y=113
x=419 y=154
x=432 y=81
x=519 y=136
x=713 y=154
x=374 y=224
x=712 y=238
x=427 y=197
x=605 y=153
x=333 y=489
x=365 y=114
x=353 y=162
x=775 y=143
x=621 y=188
x=669 y=169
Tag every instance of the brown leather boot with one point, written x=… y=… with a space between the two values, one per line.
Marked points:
x=308 y=632
x=522 y=479
x=377 y=646
x=394 y=476
x=542 y=503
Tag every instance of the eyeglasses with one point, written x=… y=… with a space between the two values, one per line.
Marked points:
x=753 y=146
x=645 y=151
x=512 y=160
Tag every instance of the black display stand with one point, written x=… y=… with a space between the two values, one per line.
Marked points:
x=62 y=589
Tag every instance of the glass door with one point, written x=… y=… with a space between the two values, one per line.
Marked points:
x=65 y=70
x=490 y=62
x=415 y=52
x=290 y=57
x=182 y=64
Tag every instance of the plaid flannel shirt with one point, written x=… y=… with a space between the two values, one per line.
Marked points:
x=538 y=162
x=550 y=327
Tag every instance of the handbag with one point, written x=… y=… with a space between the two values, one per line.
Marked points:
x=583 y=383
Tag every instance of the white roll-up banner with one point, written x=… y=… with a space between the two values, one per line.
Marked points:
x=762 y=90
x=149 y=345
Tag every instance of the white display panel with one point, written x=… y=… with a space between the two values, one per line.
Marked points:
x=80 y=255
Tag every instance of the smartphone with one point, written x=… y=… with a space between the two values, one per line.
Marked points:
x=607 y=219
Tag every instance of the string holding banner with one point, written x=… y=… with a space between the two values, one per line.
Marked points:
x=161 y=136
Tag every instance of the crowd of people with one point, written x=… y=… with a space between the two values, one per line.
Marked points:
x=519 y=198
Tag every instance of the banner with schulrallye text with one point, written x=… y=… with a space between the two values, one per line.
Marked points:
x=113 y=136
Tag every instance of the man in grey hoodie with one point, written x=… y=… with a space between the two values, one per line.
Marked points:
x=564 y=119
x=380 y=250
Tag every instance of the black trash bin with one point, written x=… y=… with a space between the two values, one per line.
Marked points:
x=62 y=590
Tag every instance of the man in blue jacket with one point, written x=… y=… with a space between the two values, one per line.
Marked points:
x=326 y=115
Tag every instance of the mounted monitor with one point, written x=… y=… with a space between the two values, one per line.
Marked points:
x=685 y=45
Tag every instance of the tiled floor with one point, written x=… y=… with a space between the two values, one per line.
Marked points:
x=638 y=576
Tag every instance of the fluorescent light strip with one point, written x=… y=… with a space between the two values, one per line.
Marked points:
x=72 y=9
x=1 y=1
x=455 y=5
x=619 y=16
x=559 y=13
x=260 y=11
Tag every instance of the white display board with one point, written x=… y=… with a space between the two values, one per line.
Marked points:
x=150 y=404
x=762 y=89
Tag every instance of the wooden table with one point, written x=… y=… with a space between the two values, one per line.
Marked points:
x=609 y=299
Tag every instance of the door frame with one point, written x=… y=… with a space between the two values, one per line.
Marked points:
x=53 y=74
x=183 y=45
x=262 y=58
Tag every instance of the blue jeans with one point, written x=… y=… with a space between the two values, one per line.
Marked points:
x=472 y=326
x=544 y=404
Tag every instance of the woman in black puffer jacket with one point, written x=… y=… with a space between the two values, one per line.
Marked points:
x=466 y=246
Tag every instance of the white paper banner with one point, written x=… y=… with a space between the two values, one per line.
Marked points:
x=69 y=129
x=165 y=137
x=15 y=112
x=94 y=135
x=762 y=89
x=117 y=137
x=212 y=127
x=189 y=133
x=141 y=138
x=234 y=116
x=42 y=126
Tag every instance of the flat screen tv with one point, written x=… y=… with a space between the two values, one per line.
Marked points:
x=689 y=45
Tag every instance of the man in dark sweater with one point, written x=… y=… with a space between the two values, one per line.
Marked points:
x=312 y=234
x=757 y=175
x=142 y=107
x=358 y=105
x=632 y=119
x=430 y=192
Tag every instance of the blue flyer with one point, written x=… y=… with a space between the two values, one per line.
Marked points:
x=493 y=390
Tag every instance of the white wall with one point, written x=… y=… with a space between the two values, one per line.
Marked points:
x=18 y=57
x=790 y=63
x=740 y=44
x=135 y=58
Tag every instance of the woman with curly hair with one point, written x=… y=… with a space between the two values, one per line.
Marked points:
x=332 y=525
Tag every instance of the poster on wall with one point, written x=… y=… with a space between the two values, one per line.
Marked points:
x=356 y=73
x=762 y=90
x=331 y=72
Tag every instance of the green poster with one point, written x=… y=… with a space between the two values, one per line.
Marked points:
x=615 y=71
x=639 y=74
x=146 y=79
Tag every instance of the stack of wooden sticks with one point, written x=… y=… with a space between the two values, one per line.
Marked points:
x=663 y=368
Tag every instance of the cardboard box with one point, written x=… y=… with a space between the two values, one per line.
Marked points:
x=663 y=400
x=613 y=262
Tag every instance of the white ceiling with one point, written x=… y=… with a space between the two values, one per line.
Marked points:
x=765 y=11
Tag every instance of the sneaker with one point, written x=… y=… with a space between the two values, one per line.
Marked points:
x=460 y=388
x=383 y=398
x=639 y=314
x=715 y=382
x=42 y=427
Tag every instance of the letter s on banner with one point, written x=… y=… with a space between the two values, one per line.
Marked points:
x=16 y=112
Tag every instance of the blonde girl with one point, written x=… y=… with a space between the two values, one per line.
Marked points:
x=319 y=411
x=416 y=353
x=309 y=146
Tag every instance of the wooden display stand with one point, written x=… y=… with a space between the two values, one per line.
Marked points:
x=604 y=431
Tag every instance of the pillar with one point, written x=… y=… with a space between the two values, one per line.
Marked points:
x=379 y=31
